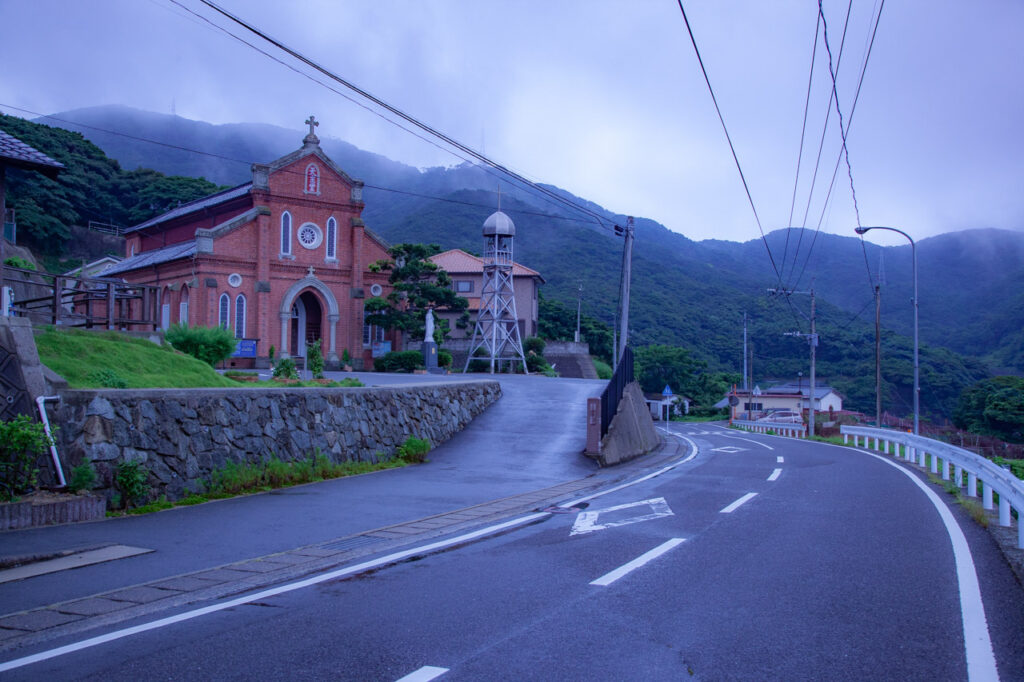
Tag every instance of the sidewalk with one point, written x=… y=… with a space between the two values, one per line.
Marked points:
x=89 y=610
x=517 y=456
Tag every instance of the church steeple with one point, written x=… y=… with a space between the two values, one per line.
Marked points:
x=311 y=138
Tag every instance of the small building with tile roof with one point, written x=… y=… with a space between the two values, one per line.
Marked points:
x=467 y=273
x=282 y=261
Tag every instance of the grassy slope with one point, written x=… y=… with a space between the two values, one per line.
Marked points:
x=79 y=355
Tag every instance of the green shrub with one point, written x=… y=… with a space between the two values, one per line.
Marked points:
x=479 y=365
x=603 y=369
x=414 y=449
x=131 y=481
x=22 y=441
x=315 y=360
x=19 y=262
x=534 y=344
x=444 y=358
x=83 y=477
x=346 y=359
x=209 y=344
x=107 y=378
x=399 y=361
x=285 y=369
x=536 y=363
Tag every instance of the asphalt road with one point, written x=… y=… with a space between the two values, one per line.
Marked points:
x=519 y=444
x=775 y=559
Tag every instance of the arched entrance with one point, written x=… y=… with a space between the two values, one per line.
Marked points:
x=306 y=322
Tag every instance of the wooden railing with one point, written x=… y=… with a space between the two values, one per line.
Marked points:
x=79 y=301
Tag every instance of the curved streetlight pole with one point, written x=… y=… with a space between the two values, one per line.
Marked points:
x=917 y=386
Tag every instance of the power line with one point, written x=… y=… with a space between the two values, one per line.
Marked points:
x=432 y=197
x=821 y=147
x=803 y=132
x=401 y=114
x=732 y=148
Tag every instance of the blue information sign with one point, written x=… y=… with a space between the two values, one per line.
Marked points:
x=246 y=348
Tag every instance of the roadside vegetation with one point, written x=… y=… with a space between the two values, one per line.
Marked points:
x=246 y=478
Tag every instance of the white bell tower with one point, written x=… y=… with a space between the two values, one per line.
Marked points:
x=497 y=324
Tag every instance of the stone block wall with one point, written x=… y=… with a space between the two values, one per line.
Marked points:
x=181 y=436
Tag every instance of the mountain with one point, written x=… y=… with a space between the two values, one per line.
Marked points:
x=684 y=292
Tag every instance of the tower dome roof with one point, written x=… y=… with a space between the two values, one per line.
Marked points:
x=499 y=224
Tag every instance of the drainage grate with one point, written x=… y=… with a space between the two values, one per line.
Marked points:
x=352 y=543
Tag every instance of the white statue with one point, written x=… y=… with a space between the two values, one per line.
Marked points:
x=428 y=336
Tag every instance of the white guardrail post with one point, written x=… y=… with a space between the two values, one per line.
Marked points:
x=994 y=479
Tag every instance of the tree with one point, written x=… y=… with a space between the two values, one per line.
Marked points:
x=658 y=366
x=993 y=407
x=558 y=323
x=417 y=284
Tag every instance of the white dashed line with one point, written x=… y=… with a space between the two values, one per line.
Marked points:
x=424 y=674
x=736 y=505
x=775 y=474
x=609 y=578
x=780 y=459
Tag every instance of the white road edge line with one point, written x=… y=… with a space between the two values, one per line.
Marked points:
x=265 y=594
x=738 y=503
x=612 y=576
x=424 y=674
x=339 y=573
x=775 y=475
x=981 y=660
x=655 y=474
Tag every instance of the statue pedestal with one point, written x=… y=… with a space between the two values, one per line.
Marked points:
x=430 y=358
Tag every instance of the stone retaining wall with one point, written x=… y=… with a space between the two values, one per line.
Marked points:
x=181 y=436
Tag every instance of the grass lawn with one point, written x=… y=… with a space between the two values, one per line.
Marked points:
x=112 y=360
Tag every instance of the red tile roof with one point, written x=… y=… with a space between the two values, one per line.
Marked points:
x=458 y=262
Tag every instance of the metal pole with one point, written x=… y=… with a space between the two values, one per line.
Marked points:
x=878 y=356
x=627 y=258
x=917 y=385
x=814 y=348
x=917 y=366
x=579 y=303
x=744 y=351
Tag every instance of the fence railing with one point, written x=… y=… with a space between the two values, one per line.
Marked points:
x=789 y=429
x=936 y=455
x=612 y=394
x=79 y=301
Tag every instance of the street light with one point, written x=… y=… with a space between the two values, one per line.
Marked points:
x=917 y=387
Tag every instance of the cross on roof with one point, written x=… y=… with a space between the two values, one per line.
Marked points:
x=312 y=123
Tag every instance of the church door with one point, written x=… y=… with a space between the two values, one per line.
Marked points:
x=306 y=322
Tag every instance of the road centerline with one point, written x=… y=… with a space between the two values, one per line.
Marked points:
x=738 y=503
x=775 y=475
x=646 y=557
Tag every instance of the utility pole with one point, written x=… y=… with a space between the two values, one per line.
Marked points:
x=627 y=260
x=878 y=356
x=579 y=303
x=744 y=351
x=813 y=340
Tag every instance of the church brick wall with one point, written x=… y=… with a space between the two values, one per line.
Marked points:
x=182 y=436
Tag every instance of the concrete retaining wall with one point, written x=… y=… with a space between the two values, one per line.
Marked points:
x=631 y=432
x=181 y=436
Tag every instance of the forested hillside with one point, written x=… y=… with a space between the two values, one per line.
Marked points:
x=685 y=293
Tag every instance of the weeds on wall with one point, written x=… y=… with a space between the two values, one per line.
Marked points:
x=22 y=441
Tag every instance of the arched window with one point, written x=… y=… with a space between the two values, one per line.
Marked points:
x=183 y=306
x=225 y=303
x=312 y=179
x=286 y=233
x=165 y=308
x=240 y=316
x=332 y=239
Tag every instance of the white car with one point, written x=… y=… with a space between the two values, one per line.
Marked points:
x=783 y=417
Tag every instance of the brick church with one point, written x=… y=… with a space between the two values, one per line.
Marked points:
x=280 y=261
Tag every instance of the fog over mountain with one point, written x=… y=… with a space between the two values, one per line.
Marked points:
x=685 y=292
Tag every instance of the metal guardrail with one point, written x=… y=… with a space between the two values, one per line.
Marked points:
x=917 y=448
x=612 y=393
x=780 y=428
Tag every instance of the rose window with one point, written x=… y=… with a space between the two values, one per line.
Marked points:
x=310 y=236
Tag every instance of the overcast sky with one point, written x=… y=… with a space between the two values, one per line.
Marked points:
x=603 y=98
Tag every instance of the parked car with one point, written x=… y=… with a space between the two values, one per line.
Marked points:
x=783 y=417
